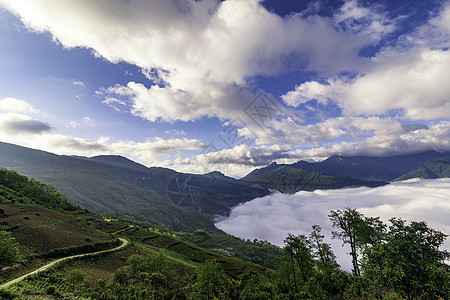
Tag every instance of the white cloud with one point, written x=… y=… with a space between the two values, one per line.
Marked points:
x=113 y=102
x=26 y=131
x=273 y=217
x=414 y=82
x=370 y=21
x=410 y=76
x=173 y=132
x=149 y=150
x=373 y=137
x=85 y=121
x=13 y=123
x=64 y=144
x=74 y=124
x=196 y=48
x=305 y=92
x=88 y=121
x=434 y=137
x=245 y=155
x=79 y=83
x=16 y=105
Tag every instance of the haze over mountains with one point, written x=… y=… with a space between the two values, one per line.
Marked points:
x=115 y=185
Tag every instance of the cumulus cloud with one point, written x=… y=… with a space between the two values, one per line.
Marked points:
x=244 y=155
x=181 y=45
x=415 y=85
x=371 y=21
x=287 y=130
x=67 y=144
x=409 y=76
x=13 y=123
x=373 y=137
x=273 y=217
x=434 y=137
x=29 y=132
x=149 y=150
x=10 y=104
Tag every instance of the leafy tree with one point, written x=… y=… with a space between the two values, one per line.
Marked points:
x=122 y=275
x=9 y=249
x=75 y=277
x=300 y=259
x=323 y=251
x=253 y=287
x=410 y=261
x=358 y=231
x=211 y=282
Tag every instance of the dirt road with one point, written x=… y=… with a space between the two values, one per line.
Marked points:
x=49 y=265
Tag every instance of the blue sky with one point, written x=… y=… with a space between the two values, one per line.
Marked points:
x=225 y=85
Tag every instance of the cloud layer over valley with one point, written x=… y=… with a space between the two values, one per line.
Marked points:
x=273 y=217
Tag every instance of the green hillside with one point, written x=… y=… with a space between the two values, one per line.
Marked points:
x=116 y=186
x=288 y=179
x=46 y=227
x=438 y=168
x=92 y=185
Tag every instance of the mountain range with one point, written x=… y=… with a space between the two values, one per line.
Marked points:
x=116 y=186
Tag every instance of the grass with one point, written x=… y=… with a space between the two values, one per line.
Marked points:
x=50 y=229
x=43 y=231
x=234 y=267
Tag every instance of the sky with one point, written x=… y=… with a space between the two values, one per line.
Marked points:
x=230 y=85
x=274 y=216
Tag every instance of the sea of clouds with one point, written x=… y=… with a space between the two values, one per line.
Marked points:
x=274 y=216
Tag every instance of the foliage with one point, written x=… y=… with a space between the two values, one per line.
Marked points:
x=357 y=231
x=259 y=252
x=410 y=262
x=211 y=282
x=399 y=261
x=36 y=192
x=75 y=277
x=9 y=250
x=326 y=258
x=80 y=249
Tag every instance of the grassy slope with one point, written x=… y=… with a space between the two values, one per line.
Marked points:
x=259 y=252
x=189 y=253
x=40 y=229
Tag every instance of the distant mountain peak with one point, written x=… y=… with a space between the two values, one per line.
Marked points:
x=216 y=173
x=110 y=157
x=118 y=161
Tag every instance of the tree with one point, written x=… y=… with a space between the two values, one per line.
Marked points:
x=327 y=259
x=211 y=282
x=357 y=231
x=75 y=276
x=410 y=261
x=9 y=249
x=298 y=253
x=253 y=287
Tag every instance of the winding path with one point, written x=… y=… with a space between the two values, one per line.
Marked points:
x=51 y=264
